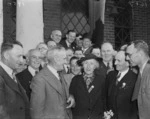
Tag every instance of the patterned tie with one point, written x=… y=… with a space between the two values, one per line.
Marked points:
x=118 y=76
x=137 y=87
x=88 y=81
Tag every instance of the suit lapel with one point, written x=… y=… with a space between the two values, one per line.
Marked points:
x=53 y=81
x=9 y=81
x=112 y=83
x=65 y=84
x=83 y=87
x=144 y=74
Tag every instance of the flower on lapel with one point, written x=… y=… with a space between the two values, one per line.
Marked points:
x=108 y=114
x=123 y=85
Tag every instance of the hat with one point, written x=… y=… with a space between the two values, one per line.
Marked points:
x=86 y=57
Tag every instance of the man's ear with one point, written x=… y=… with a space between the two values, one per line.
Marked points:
x=6 y=55
x=51 y=36
x=66 y=35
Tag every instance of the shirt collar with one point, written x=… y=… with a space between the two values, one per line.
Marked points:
x=31 y=70
x=8 y=70
x=110 y=63
x=68 y=44
x=54 y=71
x=123 y=73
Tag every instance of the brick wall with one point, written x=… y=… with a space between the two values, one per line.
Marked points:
x=52 y=20
x=52 y=16
x=109 y=29
x=140 y=23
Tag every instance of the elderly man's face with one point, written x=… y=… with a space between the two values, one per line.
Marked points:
x=35 y=59
x=56 y=36
x=89 y=66
x=132 y=55
x=107 y=52
x=15 y=57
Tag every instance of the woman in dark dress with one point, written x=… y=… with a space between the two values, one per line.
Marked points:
x=88 y=90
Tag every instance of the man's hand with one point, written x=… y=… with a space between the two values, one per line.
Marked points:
x=70 y=102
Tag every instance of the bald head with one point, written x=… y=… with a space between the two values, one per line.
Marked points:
x=56 y=36
x=107 y=52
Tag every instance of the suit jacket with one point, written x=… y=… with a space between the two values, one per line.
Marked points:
x=49 y=97
x=119 y=96
x=88 y=51
x=64 y=44
x=14 y=103
x=68 y=78
x=144 y=94
x=104 y=68
x=88 y=105
x=25 y=78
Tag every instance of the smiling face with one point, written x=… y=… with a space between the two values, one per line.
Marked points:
x=89 y=66
x=35 y=59
x=120 y=62
x=75 y=69
x=86 y=43
x=56 y=36
x=71 y=36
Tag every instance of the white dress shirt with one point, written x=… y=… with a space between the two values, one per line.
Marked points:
x=8 y=70
x=123 y=73
x=32 y=71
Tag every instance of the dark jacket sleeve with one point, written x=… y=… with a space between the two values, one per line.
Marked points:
x=3 y=112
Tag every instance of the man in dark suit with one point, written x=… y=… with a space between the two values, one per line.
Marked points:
x=120 y=88
x=25 y=77
x=49 y=97
x=69 y=41
x=14 y=103
x=107 y=55
x=138 y=54
x=87 y=45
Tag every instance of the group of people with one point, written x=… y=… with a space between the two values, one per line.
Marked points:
x=72 y=78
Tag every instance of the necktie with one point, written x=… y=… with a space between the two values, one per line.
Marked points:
x=36 y=72
x=137 y=87
x=14 y=77
x=118 y=76
x=108 y=66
